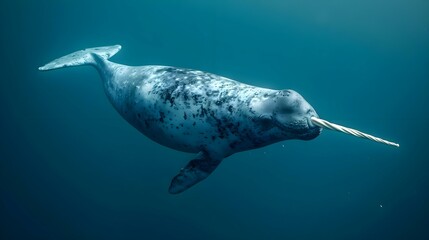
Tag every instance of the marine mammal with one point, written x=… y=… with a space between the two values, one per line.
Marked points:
x=197 y=112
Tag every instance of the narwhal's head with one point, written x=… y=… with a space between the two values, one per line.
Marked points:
x=291 y=113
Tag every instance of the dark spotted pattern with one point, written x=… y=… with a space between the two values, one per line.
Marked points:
x=192 y=111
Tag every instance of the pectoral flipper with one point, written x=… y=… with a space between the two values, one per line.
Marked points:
x=195 y=171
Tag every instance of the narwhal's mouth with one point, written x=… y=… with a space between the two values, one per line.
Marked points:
x=312 y=126
x=313 y=131
x=302 y=129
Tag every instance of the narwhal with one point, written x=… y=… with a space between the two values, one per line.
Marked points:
x=199 y=112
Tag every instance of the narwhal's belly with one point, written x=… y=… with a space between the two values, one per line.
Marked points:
x=191 y=111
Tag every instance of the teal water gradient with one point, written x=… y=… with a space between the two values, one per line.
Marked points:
x=72 y=168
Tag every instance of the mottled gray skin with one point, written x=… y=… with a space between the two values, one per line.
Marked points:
x=198 y=112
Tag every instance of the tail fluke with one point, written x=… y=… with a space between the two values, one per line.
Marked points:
x=82 y=57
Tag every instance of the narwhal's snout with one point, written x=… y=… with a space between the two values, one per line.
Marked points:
x=311 y=113
x=313 y=130
x=293 y=114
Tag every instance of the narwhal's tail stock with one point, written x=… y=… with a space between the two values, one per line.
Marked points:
x=82 y=57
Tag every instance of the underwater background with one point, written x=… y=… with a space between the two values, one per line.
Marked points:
x=72 y=168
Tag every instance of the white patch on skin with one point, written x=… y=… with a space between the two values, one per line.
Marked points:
x=256 y=105
x=146 y=88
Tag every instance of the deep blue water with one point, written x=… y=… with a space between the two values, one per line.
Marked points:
x=72 y=168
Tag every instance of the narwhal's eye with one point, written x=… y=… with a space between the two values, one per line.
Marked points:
x=286 y=108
